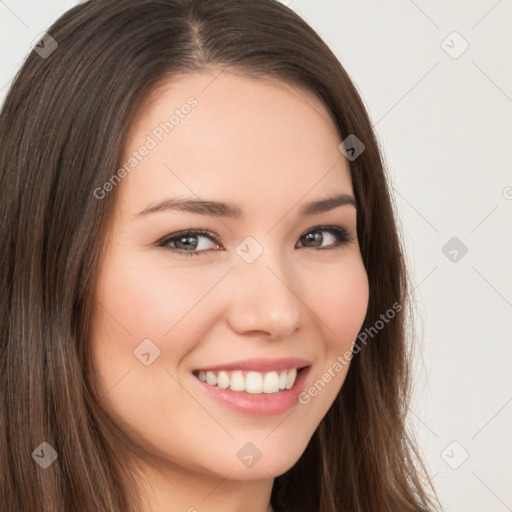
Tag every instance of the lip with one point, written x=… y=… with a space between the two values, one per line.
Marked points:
x=260 y=365
x=264 y=404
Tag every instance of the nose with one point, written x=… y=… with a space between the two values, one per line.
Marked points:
x=263 y=298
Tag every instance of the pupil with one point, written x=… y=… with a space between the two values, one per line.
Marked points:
x=314 y=237
x=188 y=244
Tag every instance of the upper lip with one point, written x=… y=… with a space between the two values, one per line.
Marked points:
x=261 y=364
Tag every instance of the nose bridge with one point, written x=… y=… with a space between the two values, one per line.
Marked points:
x=263 y=299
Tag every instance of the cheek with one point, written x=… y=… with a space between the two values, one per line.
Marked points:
x=139 y=298
x=343 y=302
x=146 y=298
x=149 y=298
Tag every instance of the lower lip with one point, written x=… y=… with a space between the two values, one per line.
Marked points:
x=261 y=404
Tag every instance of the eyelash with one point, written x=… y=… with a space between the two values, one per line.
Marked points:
x=339 y=232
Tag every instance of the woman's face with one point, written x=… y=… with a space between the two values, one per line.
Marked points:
x=273 y=282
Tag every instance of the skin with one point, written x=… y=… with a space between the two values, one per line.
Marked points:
x=270 y=148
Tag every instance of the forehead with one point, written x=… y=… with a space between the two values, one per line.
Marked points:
x=244 y=139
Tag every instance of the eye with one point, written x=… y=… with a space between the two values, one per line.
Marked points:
x=339 y=234
x=188 y=240
x=187 y=243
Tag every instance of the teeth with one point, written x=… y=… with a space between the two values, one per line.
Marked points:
x=254 y=382
x=270 y=383
x=237 y=381
x=282 y=380
x=211 y=378
x=290 y=379
x=251 y=382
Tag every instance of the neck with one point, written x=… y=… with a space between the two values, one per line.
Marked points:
x=176 y=489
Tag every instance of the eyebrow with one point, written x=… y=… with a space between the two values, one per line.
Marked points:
x=218 y=209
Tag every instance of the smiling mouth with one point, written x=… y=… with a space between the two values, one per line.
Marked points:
x=250 y=381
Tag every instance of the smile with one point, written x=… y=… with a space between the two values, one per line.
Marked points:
x=249 y=381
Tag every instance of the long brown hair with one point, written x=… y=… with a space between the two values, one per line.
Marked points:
x=63 y=127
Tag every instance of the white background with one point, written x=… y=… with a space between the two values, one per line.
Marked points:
x=445 y=127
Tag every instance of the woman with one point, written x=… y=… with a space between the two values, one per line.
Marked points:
x=270 y=372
